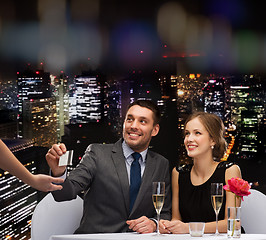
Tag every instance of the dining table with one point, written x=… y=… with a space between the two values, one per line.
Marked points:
x=151 y=236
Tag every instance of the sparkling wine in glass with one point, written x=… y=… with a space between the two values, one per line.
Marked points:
x=217 y=194
x=158 y=195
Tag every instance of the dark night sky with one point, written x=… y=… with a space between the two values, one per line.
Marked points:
x=242 y=14
x=117 y=31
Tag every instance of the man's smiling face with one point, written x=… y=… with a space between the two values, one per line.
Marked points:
x=139 y=128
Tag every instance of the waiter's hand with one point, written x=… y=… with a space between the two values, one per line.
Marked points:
x=52 y=158
x=46 y=183
x=142 y=225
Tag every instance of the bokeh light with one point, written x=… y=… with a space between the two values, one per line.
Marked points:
x=172 y=24
x=85 y=10
x=210 y=40
x=246 y=50
x=207 y=38
x=53 y=33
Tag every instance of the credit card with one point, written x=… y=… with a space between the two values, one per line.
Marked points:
x=66 y=159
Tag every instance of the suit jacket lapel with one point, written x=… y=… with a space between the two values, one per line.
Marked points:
x=119 y=163
x=146 y=182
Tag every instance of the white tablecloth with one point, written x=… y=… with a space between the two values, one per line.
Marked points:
x=152 y=236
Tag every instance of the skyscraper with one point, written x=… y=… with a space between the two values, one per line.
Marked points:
x=61 y=94
x=112 y=105
x=40 y=121
x=248 y=139
x=247 y=113
x=31 y=85
x=214 y=96
x=239 y=98
x=8 y=95
x=88 y=98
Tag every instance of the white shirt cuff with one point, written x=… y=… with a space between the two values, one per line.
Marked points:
x=62 y=176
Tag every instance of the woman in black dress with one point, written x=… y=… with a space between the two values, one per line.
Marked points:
x=191 y=199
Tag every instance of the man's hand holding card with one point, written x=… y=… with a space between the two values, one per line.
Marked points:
x=66 y=158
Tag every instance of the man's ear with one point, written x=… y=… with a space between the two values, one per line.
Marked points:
x=155 y=130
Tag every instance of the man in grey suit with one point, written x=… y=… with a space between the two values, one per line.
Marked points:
x=105 y=174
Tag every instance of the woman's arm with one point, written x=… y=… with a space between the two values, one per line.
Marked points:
x=175 y=225
x=175 y=195
x=233 y=171
x=10 y=163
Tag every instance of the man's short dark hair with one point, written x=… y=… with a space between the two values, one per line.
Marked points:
x=150 y=105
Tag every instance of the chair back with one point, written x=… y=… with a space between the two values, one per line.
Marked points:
x=55 y=218
x=253 y=212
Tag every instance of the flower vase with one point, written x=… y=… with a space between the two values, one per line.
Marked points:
x=234 y=222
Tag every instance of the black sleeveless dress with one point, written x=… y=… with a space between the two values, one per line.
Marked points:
x=195 y=201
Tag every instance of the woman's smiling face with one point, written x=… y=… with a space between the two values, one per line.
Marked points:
x=197 y=139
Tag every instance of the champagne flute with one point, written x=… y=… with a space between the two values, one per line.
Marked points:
x=217 y=194
x=158 y=194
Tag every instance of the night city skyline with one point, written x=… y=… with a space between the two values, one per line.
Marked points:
x=69 y=68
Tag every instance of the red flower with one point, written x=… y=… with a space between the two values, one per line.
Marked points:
x=238 y=186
